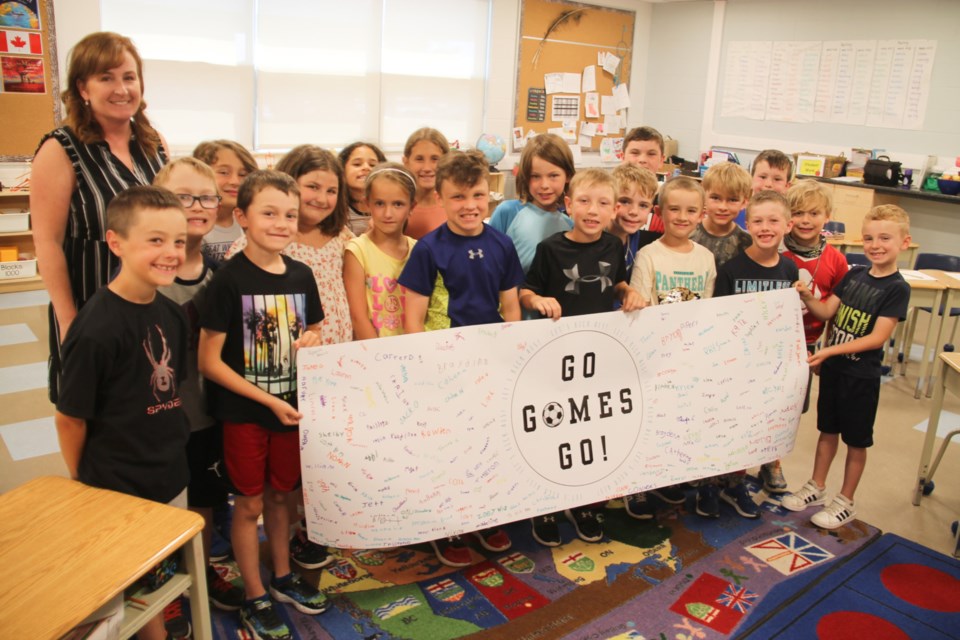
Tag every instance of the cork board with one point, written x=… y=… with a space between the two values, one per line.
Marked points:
x=30 y=88
x=568 y=47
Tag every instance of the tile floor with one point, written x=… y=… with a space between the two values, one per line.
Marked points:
x=28 y=445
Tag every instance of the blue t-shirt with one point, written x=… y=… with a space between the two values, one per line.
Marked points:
x=462 y=275
x=528 y=227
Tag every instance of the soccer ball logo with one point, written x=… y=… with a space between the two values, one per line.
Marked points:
x=552 y=414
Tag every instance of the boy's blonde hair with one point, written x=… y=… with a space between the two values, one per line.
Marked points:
x=632 y=175
x=207 y=152
x=809 y=195
x=124 y=209
x=425 y=134
x=462 y=168
x=197 y=166
x=769 y=195
x=890 y=213
x=392 y=172
x=592 y=177
x=775 y=160
x=680 y=183
x=548 y=147
x=728 y=179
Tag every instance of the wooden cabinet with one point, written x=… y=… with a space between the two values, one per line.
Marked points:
x=21 y=240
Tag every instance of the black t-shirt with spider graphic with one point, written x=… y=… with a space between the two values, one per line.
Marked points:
x=123 y=363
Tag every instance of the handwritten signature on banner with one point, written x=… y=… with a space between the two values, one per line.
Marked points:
x=413 y=438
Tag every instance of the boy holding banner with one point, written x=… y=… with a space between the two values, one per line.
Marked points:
x=462 y=273
x=574 y=273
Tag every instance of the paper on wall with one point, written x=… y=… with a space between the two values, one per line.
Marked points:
x=610 y=63
x=591 y=105
x=611 y=124
x=571 y=83
x=608 y=105
x=588 y=129
x=553 y=82
x=621 y=96
x=589 y=79
x=585 y=142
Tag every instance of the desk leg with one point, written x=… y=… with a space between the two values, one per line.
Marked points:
x=930 y=436
x=948 y=301
x=926 y=362
x=199 y=605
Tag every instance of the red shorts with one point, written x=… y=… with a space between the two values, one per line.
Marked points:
x=255 y=455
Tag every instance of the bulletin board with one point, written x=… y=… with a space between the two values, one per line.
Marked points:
x=566 y=37
x=30 y=89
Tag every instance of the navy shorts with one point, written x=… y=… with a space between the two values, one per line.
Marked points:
x=848 y=406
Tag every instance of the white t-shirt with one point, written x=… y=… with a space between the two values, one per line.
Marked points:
x=663 y=275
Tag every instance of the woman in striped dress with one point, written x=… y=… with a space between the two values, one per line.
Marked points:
x=106 y=146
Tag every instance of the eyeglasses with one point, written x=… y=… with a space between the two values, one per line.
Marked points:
x=206 y=202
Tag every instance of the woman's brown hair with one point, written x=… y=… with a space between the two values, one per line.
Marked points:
x=95 y=54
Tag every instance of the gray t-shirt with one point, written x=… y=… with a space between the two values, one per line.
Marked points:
x=722 y=247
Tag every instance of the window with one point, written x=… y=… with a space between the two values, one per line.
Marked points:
x=273 y=74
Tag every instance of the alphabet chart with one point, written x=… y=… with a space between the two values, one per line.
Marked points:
x=413 y=438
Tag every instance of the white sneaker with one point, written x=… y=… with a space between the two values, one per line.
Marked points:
x=809 y=495
x=836 y=514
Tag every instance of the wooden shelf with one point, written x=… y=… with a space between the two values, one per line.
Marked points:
x=14 y=234
x=21 y=284
x=7 y=193
x=134 y=618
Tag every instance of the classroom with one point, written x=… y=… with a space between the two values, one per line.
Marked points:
x=275 y=75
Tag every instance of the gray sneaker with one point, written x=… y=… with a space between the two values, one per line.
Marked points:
x=772 y=476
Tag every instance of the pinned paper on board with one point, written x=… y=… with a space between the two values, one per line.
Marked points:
x=518 y=138
x=621 y=97
x=588 y=129
x=571 y=83
x=608 y=150
x=591 y=105
x=564 y=107
x=611 y=124
x=608 y=105
x=609 y=63
x=585 y=142
x=569 y=130
x=589 y=79
x=553 y=83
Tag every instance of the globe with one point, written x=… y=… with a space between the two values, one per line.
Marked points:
x=493 y=147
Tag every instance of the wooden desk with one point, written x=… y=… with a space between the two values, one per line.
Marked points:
x=949 y=380
x=66 y=549
x=923 y=293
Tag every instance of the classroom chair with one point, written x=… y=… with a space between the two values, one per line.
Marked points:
x=942 y=262
x=855 y=259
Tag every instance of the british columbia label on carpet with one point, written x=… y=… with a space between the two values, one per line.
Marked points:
x=413 y=438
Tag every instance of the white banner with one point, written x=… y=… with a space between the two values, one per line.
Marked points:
x=414 y=438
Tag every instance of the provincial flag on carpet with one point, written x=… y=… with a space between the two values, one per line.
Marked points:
x=510 y=596
x=715 y=603
x=789 y=553
x=24 y=42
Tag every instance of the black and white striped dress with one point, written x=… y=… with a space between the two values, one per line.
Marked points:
x=100 y=177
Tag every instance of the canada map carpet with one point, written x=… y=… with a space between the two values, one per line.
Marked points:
x=678 y=577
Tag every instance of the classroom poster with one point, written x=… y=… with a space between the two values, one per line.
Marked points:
x=413 y=438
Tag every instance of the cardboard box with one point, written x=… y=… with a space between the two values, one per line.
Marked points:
x=670 y=147
x=14 y=221
x=819 y=165
x=18 y=269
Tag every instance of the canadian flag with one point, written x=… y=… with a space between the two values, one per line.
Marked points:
x=20 y=42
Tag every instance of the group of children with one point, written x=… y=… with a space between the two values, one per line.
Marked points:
x=324 y=250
